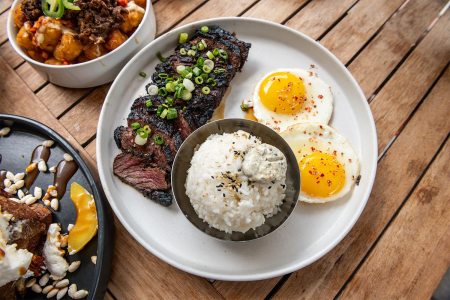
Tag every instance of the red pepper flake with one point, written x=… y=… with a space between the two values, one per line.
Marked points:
x=122 y=3
x=320 y=97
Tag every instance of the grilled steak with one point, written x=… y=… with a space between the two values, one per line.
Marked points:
x=147 y=167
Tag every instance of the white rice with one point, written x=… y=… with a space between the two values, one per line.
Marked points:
x=220 y=192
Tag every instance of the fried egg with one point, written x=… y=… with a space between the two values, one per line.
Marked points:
x=288 y=96
x=329 y=166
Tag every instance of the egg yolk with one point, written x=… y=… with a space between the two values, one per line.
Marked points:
x=283 y=93
x=321 y=175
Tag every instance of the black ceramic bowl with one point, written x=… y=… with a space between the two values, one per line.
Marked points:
x=182 y=163
x=15 y=151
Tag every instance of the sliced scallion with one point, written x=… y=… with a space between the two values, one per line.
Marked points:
x=215 y=52
x=191 y=52
x=152 y=89
x=170 y=87
x=180 y=69
x=147 y=129
x=204 y=29
x=142 y=74
x=142 y=133
x=158 y=139
x=206 y=90
x=148 y=103
x=196 y=71
x=162 y=92
x=186 y=95
x=211 y=81
x=163 y=75
x=209 y=63
x=194 y=47
x=206 y=69
x=169 y=101
x=223 y=54
x=198 y=80
x=171 y=114
x=218 y=70
x=140 y=140
x=200 y=61
x=183 y=51
x=135 y=125
x=201 y=47
x=183 y=38
x=161 y=57
x=188 y=84
x=210 y=55
x=164 y=113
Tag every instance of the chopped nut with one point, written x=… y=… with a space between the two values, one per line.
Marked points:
x=37 y=192
x=10 y=175
x=19 y=184
x=20 y=194
x=44 y=279
x=48 y=143
x=52 y=293
x=52 y=169
x=94 y=259
x=46 y=202
x=63 y=283
x=30 y=200
x=54 y=204
x=69 y=227
x=7 y=183
x=67 y=157
x=74 y=266
x=42 y=166
x=36 y=288
x=47 y=289
x=72 y=290
x=62 y=292
x=19 y=176
x=80 y=294
x=5 y=131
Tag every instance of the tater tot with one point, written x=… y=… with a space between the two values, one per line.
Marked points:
x=68 y=49
x=94 y=50
x=19 y=17
x=25 y=37
x=53 y=61
x=47 y=37
x=115 y=39
x=131 y=21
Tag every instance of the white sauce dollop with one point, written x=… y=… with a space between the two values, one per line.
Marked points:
x=264 y=163
x=53 y=254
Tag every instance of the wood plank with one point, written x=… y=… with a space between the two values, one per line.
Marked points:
x=16 y=98
x=245 y=290
x=362 y=21
x=30 y=76
x=4 y=5
x=425 y=219
x=398 y=98
x=170 y=12
x=91 y=149
x=136 y=273
x=218 y=8
x=59 y=99
x=397 y=174
x=317 y=16
x=108 y=296
x=9 y=55
x=400 y=33
x=3 y=20
x=81 y=120
x=274 y=10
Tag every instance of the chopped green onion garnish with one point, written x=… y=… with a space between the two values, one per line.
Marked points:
x=183 y=38
x=196 y=71
x=223 y=54
x=204 y=29
x=159 y=110
x=178 y=89
x=152 y=90
x=210 y=55
x=194 y=47
x=160 y=57
x=164 y=113
x=158 y=139
x=200 y=61
x=171 y=114
x=170 y=86
x=198 y=80
x=162 y=92
x=180 y=69
x=211 y=81
x=206 y=69
x=163 y=75
x=244 y=107
x=201 y=47
x=184 y=73
x=148 y=103
x=218 y=70
x=139 y=140
x=147 y=129
x=209 y=63
x=188 y=84
x=204 y=76
x=188 y=76
x=215 y=52
x=191 y=52
x=169 y=100
x=135 y=125
x=142 y=133
x=183 y=51
x=142 y=74
x=206 y=90
x=186 y=95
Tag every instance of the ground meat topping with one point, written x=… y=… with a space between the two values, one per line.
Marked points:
x=32 y=9
x=97 y=18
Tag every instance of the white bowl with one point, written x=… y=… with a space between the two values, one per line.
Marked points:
x=94 y=72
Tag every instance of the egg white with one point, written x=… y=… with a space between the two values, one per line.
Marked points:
x=318 y=106
x=305 y=138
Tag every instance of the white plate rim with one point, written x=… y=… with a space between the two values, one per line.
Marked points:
x=237 y=277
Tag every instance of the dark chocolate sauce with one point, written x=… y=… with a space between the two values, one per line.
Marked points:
x=64 y=171
x=39 y=153
x=2 y=179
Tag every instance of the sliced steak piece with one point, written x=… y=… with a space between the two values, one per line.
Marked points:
x=133 y=171
x=147 y=167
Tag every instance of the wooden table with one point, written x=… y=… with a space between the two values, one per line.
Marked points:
x=399 y=51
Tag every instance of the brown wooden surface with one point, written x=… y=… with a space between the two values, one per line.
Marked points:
x=399 y=51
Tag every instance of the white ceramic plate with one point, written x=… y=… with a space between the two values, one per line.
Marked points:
x=311 y=231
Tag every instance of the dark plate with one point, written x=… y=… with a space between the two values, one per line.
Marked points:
x=182 y=163
x=16 y=150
